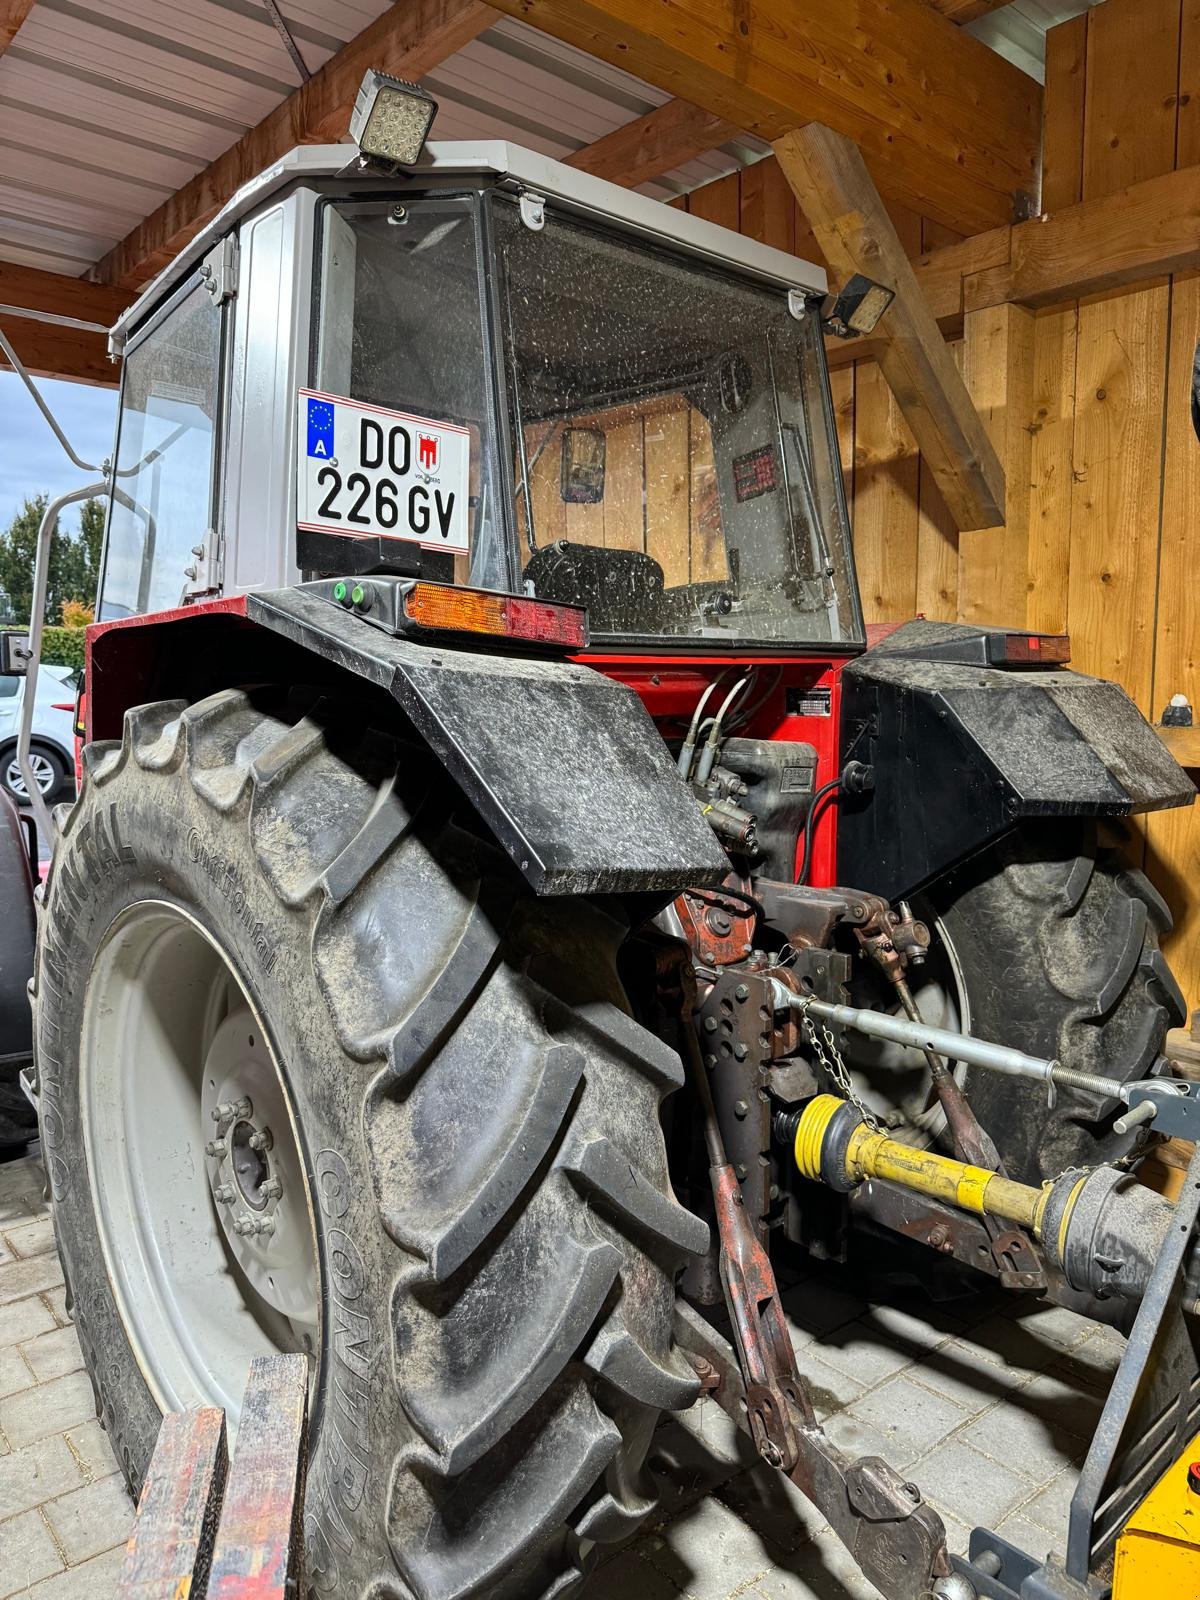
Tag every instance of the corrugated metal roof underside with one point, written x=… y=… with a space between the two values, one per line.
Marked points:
x=107 y=107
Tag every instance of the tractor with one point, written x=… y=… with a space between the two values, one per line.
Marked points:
x=513 y=902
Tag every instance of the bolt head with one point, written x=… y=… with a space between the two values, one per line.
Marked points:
x=742 y=992
x=741 y=1109
x=272 y=1189
x=264 y=1225
x=224 y=1193
x=771 y=1453
x=216 y=1147
x=740 y=1051
x=710 y=1024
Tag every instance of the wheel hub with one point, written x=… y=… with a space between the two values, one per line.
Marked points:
x=254 y=1173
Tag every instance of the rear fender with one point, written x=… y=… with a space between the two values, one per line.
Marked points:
x=961 y=754
x=17 y=931
x=564 y=765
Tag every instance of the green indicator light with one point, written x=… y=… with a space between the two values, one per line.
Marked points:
x=339 y=591
x=358 y=594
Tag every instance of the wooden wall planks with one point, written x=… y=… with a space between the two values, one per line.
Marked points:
x=1111 y=467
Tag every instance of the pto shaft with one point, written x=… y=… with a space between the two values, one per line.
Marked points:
x=833 y=1144
x=1100 y=1227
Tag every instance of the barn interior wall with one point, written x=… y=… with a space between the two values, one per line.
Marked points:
x=1087 y=403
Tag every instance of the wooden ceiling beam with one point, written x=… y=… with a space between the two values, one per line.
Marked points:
x=55 y=295
x=51 y=351
x=945 y=124
x=642 y=150
x=834 y=189
x=410 y=39
x=961 y=11
x=12 y=15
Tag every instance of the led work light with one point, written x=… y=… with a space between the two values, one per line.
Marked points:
x=391 y=119
x=858 y=307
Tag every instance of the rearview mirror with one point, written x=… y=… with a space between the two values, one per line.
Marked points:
x=582 y=473
x=14 y=655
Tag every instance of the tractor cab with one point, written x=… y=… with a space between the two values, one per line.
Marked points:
x=490 y=371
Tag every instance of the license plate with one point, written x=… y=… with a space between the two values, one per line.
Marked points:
x=367 y=472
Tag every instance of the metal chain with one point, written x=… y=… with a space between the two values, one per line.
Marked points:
x=830 y=1057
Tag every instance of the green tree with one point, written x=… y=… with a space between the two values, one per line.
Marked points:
x=74 y=559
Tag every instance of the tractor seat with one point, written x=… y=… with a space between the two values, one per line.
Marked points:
x=621 y=589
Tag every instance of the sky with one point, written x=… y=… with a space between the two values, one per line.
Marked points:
x=31 y=459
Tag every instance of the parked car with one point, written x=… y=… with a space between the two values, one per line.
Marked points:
x=52 y=748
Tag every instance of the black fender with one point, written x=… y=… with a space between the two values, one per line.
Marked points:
x=17 y=933
x=564 y=765
x=962 y=752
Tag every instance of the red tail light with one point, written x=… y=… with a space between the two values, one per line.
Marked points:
x=448 y=610
x=1033 y=649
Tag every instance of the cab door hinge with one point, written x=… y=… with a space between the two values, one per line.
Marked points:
x=219 y=269
x=205 y=572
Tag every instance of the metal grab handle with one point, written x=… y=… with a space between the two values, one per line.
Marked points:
x=37 y=623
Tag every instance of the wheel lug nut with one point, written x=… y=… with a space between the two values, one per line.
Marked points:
x=272 y=1189
x=242 y=1226
x=216 y=1147
x=264 y=1225
x=229 y=1110
x=224 y=1193
x=261 y=1141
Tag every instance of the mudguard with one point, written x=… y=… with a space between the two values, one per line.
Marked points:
x=17 y=931
x=564 y=765
x=960 y=753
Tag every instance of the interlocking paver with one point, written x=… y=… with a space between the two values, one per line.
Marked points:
x=38 y=1473
x=33 y=1238
x=95 y=1578
x=27 y=1553
x=53 y=1354
x=48 y=1409
x=90 y=1520
x=24 y=1319
x=983 y=1404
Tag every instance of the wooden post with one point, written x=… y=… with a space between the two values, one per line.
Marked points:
x=830 y=180
x=993 y=563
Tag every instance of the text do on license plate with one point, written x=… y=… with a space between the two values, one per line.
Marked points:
x=369 y=472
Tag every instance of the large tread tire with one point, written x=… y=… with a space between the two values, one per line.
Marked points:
x=479 y=1117
x=1058 y=943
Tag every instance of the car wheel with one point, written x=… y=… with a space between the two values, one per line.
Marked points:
x=49 y=772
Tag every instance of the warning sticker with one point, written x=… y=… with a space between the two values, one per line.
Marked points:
x=364 y=471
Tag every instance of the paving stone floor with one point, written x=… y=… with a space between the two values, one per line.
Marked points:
x=988 y=1408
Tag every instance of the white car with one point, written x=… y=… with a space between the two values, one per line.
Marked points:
x=52 y=748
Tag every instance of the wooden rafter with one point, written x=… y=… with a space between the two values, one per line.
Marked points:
x=408 y=40
x=666 y=137
x=961 y=11
x=834 y=189
x=12 y=15
x=945 y=124
x=49 y=349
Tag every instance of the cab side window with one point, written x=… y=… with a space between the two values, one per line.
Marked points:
x=162 y=502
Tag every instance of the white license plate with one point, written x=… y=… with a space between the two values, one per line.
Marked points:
x=364 y=471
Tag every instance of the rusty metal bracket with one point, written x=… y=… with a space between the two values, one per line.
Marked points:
x=894 y=1535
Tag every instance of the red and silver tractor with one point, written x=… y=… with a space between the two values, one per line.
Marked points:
x=510 y=902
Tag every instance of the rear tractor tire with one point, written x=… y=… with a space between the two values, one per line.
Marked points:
x=318 y=1073
x=1057 y=942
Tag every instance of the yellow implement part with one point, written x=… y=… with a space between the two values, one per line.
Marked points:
x=874 y=1155
x=1158 y=1553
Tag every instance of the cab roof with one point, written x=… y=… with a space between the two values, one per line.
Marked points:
x=493 y=159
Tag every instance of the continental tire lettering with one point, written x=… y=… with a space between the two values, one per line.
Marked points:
x=346 y=1439
x=224 y=877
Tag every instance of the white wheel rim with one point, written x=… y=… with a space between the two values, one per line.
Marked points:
x=168 y=1030
x=43 y=775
